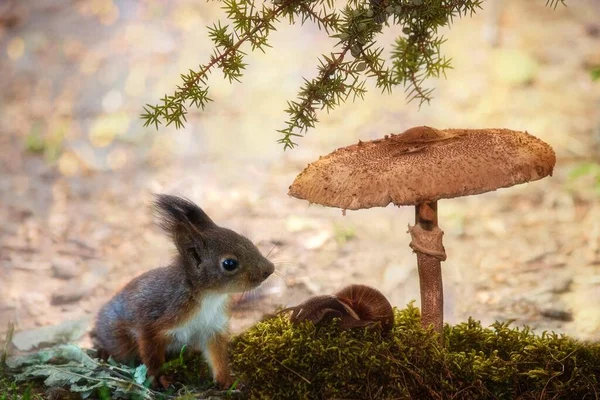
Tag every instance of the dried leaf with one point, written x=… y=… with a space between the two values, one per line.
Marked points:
x=66 y=353
x=69 y=366
x=140 y=374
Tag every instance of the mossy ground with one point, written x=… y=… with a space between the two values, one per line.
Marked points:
x=276 y=360
x=10 y=390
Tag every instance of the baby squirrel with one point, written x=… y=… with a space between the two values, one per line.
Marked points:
x=186 y=302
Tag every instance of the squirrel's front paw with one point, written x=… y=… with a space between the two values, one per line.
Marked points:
x=224 y=382
x=163 y=381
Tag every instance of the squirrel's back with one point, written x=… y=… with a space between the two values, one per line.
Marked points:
x=153 y=300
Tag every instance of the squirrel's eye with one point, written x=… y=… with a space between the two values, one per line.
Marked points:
x=230 y=264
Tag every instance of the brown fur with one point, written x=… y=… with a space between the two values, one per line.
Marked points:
x=217 y=358
x=135 y=324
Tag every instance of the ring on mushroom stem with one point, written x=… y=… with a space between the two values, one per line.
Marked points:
x=419 y=167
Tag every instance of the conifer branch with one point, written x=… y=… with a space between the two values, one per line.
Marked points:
x=415 y=55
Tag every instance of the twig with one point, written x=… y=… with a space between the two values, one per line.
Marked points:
x=77 y=254
x=9 y=336
x=272 y=15
x=292 y=371
x=30 y=250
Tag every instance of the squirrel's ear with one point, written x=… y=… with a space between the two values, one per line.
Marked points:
x=176 y=214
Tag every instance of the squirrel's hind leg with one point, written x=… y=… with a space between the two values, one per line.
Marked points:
x=115 y=340
x=152 y=351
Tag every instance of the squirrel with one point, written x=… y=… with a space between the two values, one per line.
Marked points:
x=186 y=302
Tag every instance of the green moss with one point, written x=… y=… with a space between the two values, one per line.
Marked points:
x=10 y=390
x=277 y=360
x=190 y=368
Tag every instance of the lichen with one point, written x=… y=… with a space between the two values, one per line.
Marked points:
x=277 y=360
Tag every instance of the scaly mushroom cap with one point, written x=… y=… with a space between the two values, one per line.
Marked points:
x=423 y=164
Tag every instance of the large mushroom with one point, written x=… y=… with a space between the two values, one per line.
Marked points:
x=418 y=167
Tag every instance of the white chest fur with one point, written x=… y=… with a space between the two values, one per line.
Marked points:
x=209 y=318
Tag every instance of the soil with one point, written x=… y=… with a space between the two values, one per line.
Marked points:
x=78 y=169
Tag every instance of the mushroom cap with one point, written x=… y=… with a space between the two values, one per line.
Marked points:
x=423 y=164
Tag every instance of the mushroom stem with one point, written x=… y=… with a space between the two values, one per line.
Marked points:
x=427 y=243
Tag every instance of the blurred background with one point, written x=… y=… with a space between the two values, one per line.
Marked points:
x=78 y=169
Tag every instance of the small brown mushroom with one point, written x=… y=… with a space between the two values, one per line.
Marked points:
x=355 y=305
x=368 y=303
x=419 y=167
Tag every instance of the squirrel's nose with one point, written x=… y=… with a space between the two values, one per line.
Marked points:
x=269 y=269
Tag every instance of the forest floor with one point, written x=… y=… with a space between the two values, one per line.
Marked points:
x=78 y=170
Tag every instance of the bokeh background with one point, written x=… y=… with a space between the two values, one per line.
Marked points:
x=78 y=169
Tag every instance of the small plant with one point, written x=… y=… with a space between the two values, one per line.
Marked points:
x=343 y=234
x=34 y=142
x=595 y=73
x=76 y=370
x=49 y=146
x=588 y=169
x=10 y=390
